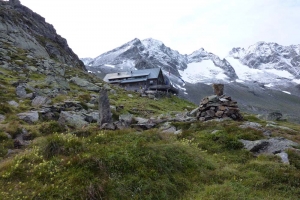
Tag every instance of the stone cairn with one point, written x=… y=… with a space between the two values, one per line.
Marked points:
x=218 y=106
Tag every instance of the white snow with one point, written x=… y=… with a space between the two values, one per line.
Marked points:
x=107 y=65
x=186 y=93
x=179 y=87
x=269 y=85
x=243 y=71
x=239 y=81
x=281 y=73
x=286 y=92
x=201 y=71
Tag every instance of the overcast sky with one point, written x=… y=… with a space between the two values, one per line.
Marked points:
x=93 y=27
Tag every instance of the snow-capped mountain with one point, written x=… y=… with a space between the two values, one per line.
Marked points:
x=270 y=64
x=207 y=67
x=86 y=61
x=150 y=53
x=262 y=78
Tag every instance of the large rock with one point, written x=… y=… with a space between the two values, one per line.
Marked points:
x=29 y=117
x=13 y=103
x=92 y=117
x=40 y=101
x=105 y=115
x=20 y=91
x=275 y=116
x=73 y=119
x=269 y=146
x=85 y=84
x=253 y=125
x=126 y=119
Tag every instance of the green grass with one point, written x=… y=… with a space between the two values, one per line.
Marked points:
x=148 y=165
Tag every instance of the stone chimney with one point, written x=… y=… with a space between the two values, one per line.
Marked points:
x=218 y=89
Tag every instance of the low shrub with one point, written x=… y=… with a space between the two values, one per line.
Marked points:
x=62 y=144
x=51 y=127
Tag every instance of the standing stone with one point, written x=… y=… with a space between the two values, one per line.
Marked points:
x=105 y=115
x=218 y=89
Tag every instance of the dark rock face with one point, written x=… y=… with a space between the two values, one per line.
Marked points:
x=105 y=115
x=21 y=27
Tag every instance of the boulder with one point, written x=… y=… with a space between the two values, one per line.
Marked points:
x=141 y=120
x=280 y=127
x=40 y=101
x=13 y=103
x=20 y=91
x=85 y=84
x=284 y=157
x=105 y=115
x=71 y=118
x=92 y=117
x=126 y=119
x=29 y=117
x=143 y=126
x=253 y=125
x=108 y=126
x=269 y=146
x=275 y=116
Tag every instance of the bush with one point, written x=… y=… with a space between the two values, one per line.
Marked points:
x=3 y=136
x=5 y=109
x=51 y=127
x=228 y=141
x=62 y=144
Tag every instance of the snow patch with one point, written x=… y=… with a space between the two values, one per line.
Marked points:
x=107 y=65
x=243 y=71
x=179 y=87
x=201 y=71
x=286 y=92
x=239 y=81
x=269 y=85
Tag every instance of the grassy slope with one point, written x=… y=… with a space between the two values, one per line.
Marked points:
x=94 y=164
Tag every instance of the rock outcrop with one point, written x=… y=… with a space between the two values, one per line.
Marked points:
x=21 y=30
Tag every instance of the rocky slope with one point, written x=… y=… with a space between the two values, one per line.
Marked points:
x=21 y=28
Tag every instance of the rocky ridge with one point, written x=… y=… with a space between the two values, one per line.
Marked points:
x=151 y=53
x=22 y=28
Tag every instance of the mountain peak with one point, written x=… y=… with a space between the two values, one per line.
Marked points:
x=150 y=42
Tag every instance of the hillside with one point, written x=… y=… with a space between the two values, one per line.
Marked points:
x=52 y=147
